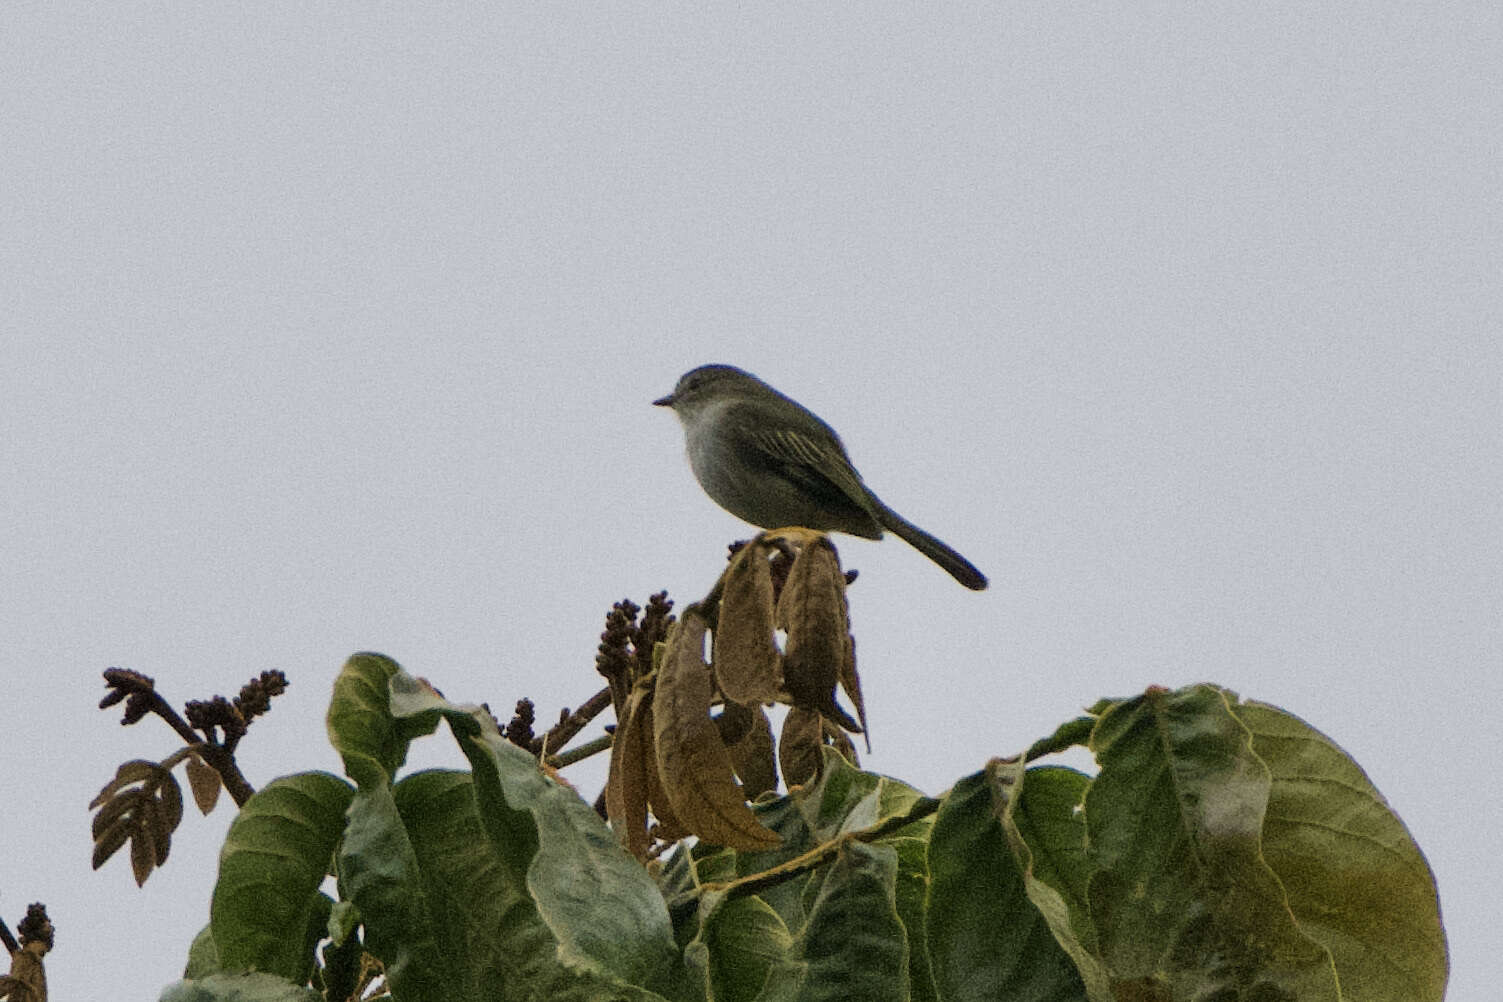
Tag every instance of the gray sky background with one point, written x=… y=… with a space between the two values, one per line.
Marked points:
x=334 y=328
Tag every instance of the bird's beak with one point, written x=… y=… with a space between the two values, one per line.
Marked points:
x=663 y=401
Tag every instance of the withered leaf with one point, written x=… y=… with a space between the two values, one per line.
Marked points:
x=144 y=804
x=850 y=684
x=733 y=722
x=143 y=854
x=812 y=609
x=841 y=742
x=204 y=783
x=746 y=661
x=130 y=772
x=668 y=828
x=108 y=816
x=753 y=758
x=799 y=746
x=694 y=765
x=107 y=841
x=170 y=796
x=626 y=788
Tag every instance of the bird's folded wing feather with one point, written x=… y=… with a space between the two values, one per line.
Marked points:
x=818 y=465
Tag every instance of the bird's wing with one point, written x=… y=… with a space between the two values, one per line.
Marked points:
x=819 y=464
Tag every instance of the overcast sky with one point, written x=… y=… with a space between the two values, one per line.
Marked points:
x=333 y=328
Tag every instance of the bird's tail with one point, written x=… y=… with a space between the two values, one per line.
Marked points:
x=955 y=565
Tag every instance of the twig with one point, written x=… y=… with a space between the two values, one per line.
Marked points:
x=584 y=751
x=141 y=697
x=564 y=731
x=819 y=855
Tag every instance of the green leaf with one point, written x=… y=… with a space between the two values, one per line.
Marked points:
x=1047 y=838
x=600 y=904
x=467 y=891
x=593 y=898
x=360 y=723
x=344 y=920
x=896 y=797
x=845 y=799
x=828 y=806
x=495 y=944
x=1065 y=736
x=275 y=856
x=1356 y=881
x=853 y=946
x=203 y=956
x=986 y=939
x=739 y=941
x=259 y=987
x=1181 y=898
x=439 y=866
x=910 y=890
x=790 y=898
x=380 y=874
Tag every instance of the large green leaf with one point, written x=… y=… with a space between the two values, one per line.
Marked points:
x=910 y=893
x=844 y=800
x=597 y=903
x=380 y=873
x=494 y=943
x=1181 y=899
x=600 y=904
x=1356 y=881
x=853 y=946
x=468 y=892
x=740 y=940
x=1047 y=837
x=512 y=829
x=835 y=803
x=275 y=856
x=789 y=899
x=986 y=939
x=255 y=987
x=361 y=727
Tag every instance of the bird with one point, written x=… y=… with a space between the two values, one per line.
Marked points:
x=768 y=460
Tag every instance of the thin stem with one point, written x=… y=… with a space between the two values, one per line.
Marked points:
x=820 y=854
x=582 y=752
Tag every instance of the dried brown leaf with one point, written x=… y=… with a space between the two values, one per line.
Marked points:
x=799 y=746
x=147 y=818
x=146 y=814
x=733 y=721
x=171 y=800
x=143 y=854
x=753 y=757
x=204 y=783
x=668 y=828
x=841 y=742
x=108 y=842
x=850 y=684
x=746 y=660
x=109 y=816
x=130 y=772
x=693 y=763
x=626 y=790
x=812 y=609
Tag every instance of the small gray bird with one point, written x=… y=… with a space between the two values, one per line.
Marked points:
x=766 y=459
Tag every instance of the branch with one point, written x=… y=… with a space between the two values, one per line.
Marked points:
x=564 y=731
x=820 y=854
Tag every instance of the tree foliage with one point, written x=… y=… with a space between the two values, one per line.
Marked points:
x=1223 y=850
